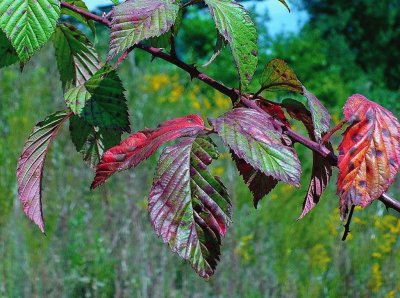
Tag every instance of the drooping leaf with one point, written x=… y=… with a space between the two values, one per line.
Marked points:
x=136 y=20
x=80 y=18
x=28 y=24
x=234 y=23
x=141 y=145
x=258 y=183
x=31 y=163
x=278 y=76
x=8 y=55
x=92 y=141
x=369 y=155
x=284 y=3
x=106 y=106
x=253 y=137
x=322 y=168
x=77 y=59
x=189 y=208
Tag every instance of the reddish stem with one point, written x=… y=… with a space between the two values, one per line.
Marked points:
x=328 y=136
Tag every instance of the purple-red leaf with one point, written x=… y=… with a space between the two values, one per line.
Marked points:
x=139 y=146
x=255 y=138
x=189 y=208
x=31 y=163
x=369 y=155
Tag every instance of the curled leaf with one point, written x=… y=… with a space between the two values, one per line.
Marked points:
x=369 y=154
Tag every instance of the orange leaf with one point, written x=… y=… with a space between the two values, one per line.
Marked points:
x=369 y=154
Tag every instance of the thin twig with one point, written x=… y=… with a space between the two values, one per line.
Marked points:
x=347 y=225
x=123 y=57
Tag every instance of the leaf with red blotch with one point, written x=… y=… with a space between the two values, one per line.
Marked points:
x=189 y=208
x=31 y=163
x=258 y=183
x=254 y=137
x=141 y=145
x=369 y=154
x=322 y=169
x=274 y=110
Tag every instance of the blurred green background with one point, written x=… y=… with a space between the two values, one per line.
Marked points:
x=101 y=244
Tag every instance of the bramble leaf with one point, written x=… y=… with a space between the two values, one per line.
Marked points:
x=31 y=163
x=189 y=208
x=92 y=141
x=81 y=5
x=28 y=24
x=369 y=154
x=234 y=23
x=140 y=145
x=255 y=138
x=8 y=55
x=322 y=168
x=136 y=20
x=77 y=59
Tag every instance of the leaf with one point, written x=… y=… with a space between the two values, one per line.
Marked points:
x=220 y=45
x=28 y=24
x=284 y=3
x=369 y=154
x=31 y=163
x=8 y=55
x=259 y=184
x=76 y=98
x=136 y=20
x=189 y=208
x=322 y=168
x=92 y=141
x=141 y=145
x=107 y=106
x=234 y=23
x=81 y=5
x=77 y=59
x=254 y=138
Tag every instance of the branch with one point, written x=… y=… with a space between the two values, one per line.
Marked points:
x=233 y=93
x=347 y=225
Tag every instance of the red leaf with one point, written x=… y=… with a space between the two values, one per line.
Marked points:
x=275 y=111
x=141 y=145
x=369 y=154
x=31 y=163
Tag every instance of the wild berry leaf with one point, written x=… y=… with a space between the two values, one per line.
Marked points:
x=234 y=23
x=136 y=20
x=322 y=168
x=8 y=55
x=77 y=59
x=31 y=163
x=189 y=208
x=106 y=106
x=92 y=141
x=258 y=183
x=369 y=155
x=28 y=24
x=141 y=145
x=80 y=4
x=76 y=98
x=253 y=137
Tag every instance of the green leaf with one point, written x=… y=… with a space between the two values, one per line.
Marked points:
x=77 y=59
x=8 y=55
x=28 y=24
x=189 y=208
x=116 y=2
x=92 y=141
x=107 y=106
x=80 y=4
x=235 y=25
x=254 y=138
x=135 y=21
x=76 y=98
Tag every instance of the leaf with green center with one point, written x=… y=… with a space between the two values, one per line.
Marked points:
x=106 y=106
x=77 y=59
x=254 y=137
x=92 y=141
x=136 y=20
x=31 y=163
x=234 y=23
x=81 y=5
x=141 y=145
x=189 y=208
x=8 y=55
x=28 y=24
